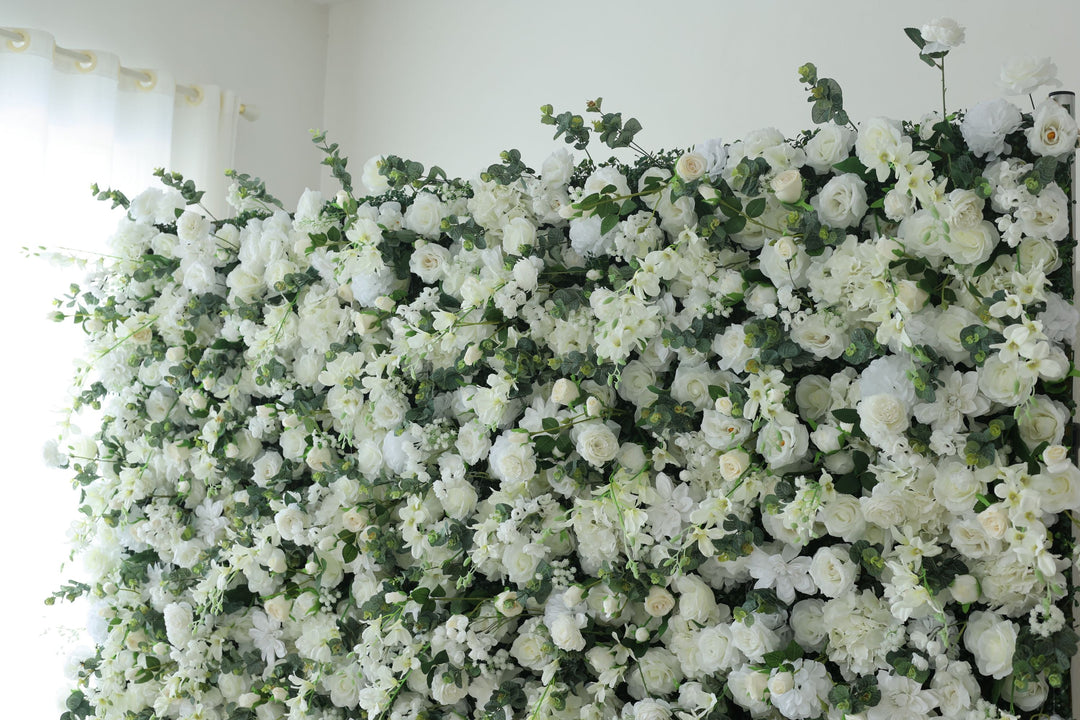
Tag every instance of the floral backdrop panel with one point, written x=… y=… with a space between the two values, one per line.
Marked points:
x=776 y=427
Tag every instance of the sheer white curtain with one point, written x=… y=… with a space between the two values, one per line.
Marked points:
x=65 y=124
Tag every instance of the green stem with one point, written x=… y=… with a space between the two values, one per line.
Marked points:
x=941 y=65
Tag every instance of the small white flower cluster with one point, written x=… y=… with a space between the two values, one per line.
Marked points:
x=728 y=433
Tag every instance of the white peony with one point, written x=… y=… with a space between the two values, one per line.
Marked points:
x=941 y=35
x=1023 y=75
x=985 y=126
x=992 y=640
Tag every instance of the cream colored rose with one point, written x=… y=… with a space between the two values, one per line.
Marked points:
x=733 y=464
x=843 y=518
x=691 y=166
x=1059 y=489
x=564 y=391
x=659 y=601
x=995 y=520
x=898 y=204
x=1057 y=457
x=992 y=640
x=787 y=186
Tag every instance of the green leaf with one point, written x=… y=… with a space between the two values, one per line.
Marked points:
x=608 y=223
x=549 y=424
x=846 y=415
x=755 y=207
x=916 y=36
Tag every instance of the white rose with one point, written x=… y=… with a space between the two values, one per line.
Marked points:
x=831 y=144
x=564 y=391
x=697 y=603
x=1041 y=252
x=1001 y=382
x=949 y=325
x=787 y=186
x=992 y=640
x=985 y=126
x=1028 y=698
x=691 y=384
x=510 y=461
x=659 y=601
x=941 y=35
x=813 y=396
x=832 y=571
x=527 y=273
x=178 y=624
x=754 y=640
x=784 y=262
x=971 y=246
x=1042 y=420
x=1023 y=75
x=783 y=445
x=1057 y=457
x=1058 y=489
x=375 y=183
x=634 y=382
x=821 y=335
x=899 y=204
x=428 y=261
x=721 y=431
x=557 y=168
x=994 y=521
x=731 y=349
x=808 y=624
x=445 y=691
x=458 y=498
x=748 y=688
x=566 y=634
x=1053 y=132
x=826 y=438
x=691 y=166
x=842 y=202
x=965 y=589
x=883 y=418
x=424 y=216
x=955 y=486
x=507 y=603
x=595 y=442
x=781 y=682
x=518 y=236
x=657 y=673
x=520 y=564
x=473 y=442
x=733 y=464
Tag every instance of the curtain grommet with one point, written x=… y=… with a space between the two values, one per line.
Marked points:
x=193 y=94
x=149 y=83
x=20 y=45
x=89 y=64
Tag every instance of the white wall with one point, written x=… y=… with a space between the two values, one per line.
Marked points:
x=272 y=53
x=454 y=83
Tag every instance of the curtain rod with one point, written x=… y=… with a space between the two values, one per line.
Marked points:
x=192 y=93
